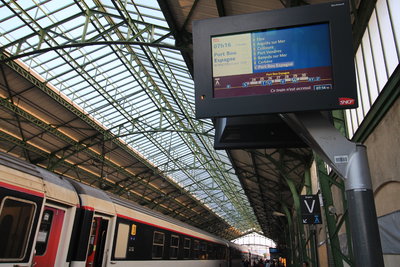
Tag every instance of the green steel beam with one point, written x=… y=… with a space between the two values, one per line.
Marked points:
x=292 y=255
x=193 y=144
x=197 y=150
x=86 y=43
x=6 y=137
x=325 y=186
x=224 y=183
x=312 y=231
x=53 y=130
x=79 y=114
x=297 y=209
x=144 y=33
x=296 y=199
x=350 y=256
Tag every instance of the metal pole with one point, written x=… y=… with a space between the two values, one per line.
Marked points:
x=362 y=214
x=350 y=161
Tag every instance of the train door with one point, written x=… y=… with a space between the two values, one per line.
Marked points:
x=97 y=242
x=48 y=238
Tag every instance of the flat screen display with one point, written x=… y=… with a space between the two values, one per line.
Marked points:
x=288 y=60
x=277 y=61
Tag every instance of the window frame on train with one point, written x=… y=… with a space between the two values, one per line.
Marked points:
x=174 y=247
x=26 y=229
x=196 y=249
x=187 y=248
x=156 y=246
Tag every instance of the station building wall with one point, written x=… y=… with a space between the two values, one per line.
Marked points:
x=377 y=64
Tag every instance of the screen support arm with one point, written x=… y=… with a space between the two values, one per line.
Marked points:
x=349 y=160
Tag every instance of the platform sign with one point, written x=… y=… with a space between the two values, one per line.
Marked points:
x=310 y=209
x=279 y=61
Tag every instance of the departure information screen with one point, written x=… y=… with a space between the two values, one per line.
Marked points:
x=286 y=60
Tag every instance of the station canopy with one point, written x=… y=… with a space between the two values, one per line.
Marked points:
x=102 y=91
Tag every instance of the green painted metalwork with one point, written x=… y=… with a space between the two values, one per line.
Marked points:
x=290 y=232
x=146 y=51
x=297 y=209
x=82 y=147
x=311 y=230
x=325 y=186
x=296 y=202
x=349 y=257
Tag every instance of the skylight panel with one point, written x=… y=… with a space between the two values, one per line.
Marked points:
x=143 y=93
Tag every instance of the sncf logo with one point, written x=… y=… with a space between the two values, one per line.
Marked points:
x=345 y=101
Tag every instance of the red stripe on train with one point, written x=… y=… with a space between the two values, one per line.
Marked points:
x=22 y=189
x=87 y=208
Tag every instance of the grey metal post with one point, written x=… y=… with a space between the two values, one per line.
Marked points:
x=350 y=161
x=362 y=213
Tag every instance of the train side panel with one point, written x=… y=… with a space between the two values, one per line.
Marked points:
x=21 y=201
x=36 y=209
x=146 y=244
x=180 y=263
x=93 y=229
x=145 y=238
x=70 y=224
x=56 y=223
x=19 y=217
x=78 y=247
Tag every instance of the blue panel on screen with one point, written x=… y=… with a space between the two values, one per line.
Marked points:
x=295 y=48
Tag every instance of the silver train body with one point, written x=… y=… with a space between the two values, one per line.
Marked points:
x=49 y=220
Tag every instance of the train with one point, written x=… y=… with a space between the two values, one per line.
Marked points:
x=50 y=220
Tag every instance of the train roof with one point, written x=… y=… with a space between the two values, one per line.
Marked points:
x=18 y=164
x=48 y=184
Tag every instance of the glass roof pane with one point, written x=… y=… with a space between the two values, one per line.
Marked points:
x=146 y=91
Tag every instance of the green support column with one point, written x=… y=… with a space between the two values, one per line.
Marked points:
x=289 y=255
x=290 y=235
x=325 y=187
x=350 y=258
x=312 y=231
x=301 y=234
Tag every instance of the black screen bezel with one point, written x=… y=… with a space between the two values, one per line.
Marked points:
x=336 y=14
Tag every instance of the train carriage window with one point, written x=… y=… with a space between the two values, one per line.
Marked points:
x=121 y=244
x=16 y=219
x=212 y=251
x=158 y=245
x=174 y=247
x=203 y=253
x=222 y=252
x=196 y=247
x=186 y=248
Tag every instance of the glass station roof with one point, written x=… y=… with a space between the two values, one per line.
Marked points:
x=117 y=61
